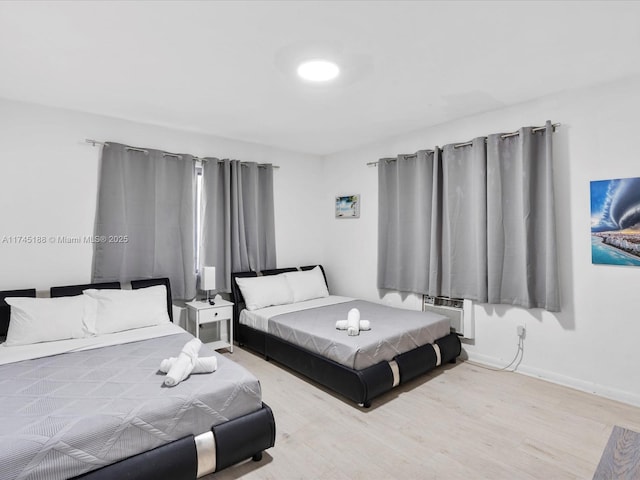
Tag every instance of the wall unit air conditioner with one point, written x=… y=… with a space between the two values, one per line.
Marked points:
x=458 y=310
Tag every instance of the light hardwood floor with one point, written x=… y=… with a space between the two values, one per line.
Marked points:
x=460 y=422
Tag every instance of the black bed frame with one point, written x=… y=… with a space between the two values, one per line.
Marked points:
x=235 y=440
x=360 y=386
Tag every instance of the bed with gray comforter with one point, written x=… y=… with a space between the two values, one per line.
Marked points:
x=67 y=414
x=400 y=346
x=393 y=332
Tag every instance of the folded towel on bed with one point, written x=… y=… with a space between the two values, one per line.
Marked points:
x=184 y=364
x=353 y=324
x=203 y=364
x=342 y=325
x=353 y=318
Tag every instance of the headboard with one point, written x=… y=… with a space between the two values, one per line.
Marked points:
x=73 y=290
x=277 y=271
x=5 y=309
x=236 y=294
x=311 y=267
x=152 y=282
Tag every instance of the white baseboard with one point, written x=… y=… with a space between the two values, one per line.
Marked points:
x=623 y=396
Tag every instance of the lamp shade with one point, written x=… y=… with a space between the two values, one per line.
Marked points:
x=208 y=278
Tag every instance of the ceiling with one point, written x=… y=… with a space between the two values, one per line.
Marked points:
x=226 y=68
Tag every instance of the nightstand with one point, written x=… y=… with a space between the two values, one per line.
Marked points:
x=200 y=313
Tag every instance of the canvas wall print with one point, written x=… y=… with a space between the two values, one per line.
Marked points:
x=348 y=206
x=615 y=221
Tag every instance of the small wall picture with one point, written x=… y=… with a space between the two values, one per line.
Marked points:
x=615 y=221
x=348 y=206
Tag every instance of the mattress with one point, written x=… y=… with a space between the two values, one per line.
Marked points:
x=393 y=331
x=67 y=414
x=46 y=349
x=259 y=319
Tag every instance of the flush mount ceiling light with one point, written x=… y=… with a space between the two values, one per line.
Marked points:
x=335 y=65
x=318 y=70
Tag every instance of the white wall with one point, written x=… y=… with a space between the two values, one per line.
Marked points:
x=48 y=187
x=591 y=344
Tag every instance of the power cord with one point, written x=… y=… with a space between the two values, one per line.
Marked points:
x=519 y=353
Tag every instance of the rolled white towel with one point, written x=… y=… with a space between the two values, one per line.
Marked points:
x=203 y=364
x=344 y=324
x=184 y=364
x=353 y=322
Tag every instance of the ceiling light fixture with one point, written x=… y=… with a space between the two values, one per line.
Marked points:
x=318 y=70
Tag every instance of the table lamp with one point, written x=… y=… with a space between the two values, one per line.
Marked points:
x=208 y=282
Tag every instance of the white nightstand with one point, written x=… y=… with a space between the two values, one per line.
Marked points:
x=200 y=312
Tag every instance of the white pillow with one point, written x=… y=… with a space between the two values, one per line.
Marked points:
x=307 y=285
x=118 y=310
x=260 y=292
x=35 y=320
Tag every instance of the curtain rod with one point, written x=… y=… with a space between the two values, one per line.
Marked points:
x=466 y=144
x=164 y=154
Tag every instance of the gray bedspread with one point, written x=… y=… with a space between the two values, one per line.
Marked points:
x=67 y=414
x=393 y=331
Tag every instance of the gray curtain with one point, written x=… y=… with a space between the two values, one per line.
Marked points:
x=491 y=216
x=215 y=221
x=238 y=221
x=253 y=238
x=145 y=218
x=459 y=218
x=521 y=234
x=404 y=221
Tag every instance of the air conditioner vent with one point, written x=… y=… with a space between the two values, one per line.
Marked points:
x=444 y=301
x=458 y=310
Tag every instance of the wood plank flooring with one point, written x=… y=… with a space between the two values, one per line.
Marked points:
x=460 y=422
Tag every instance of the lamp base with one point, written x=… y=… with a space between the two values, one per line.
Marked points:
x=209 y=299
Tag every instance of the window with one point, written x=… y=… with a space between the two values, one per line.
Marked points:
x=198 y=213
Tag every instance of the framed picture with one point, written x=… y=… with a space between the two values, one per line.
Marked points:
x=348 y=206
x=615 y=221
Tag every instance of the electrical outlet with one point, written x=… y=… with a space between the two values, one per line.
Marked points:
x=521 y=330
